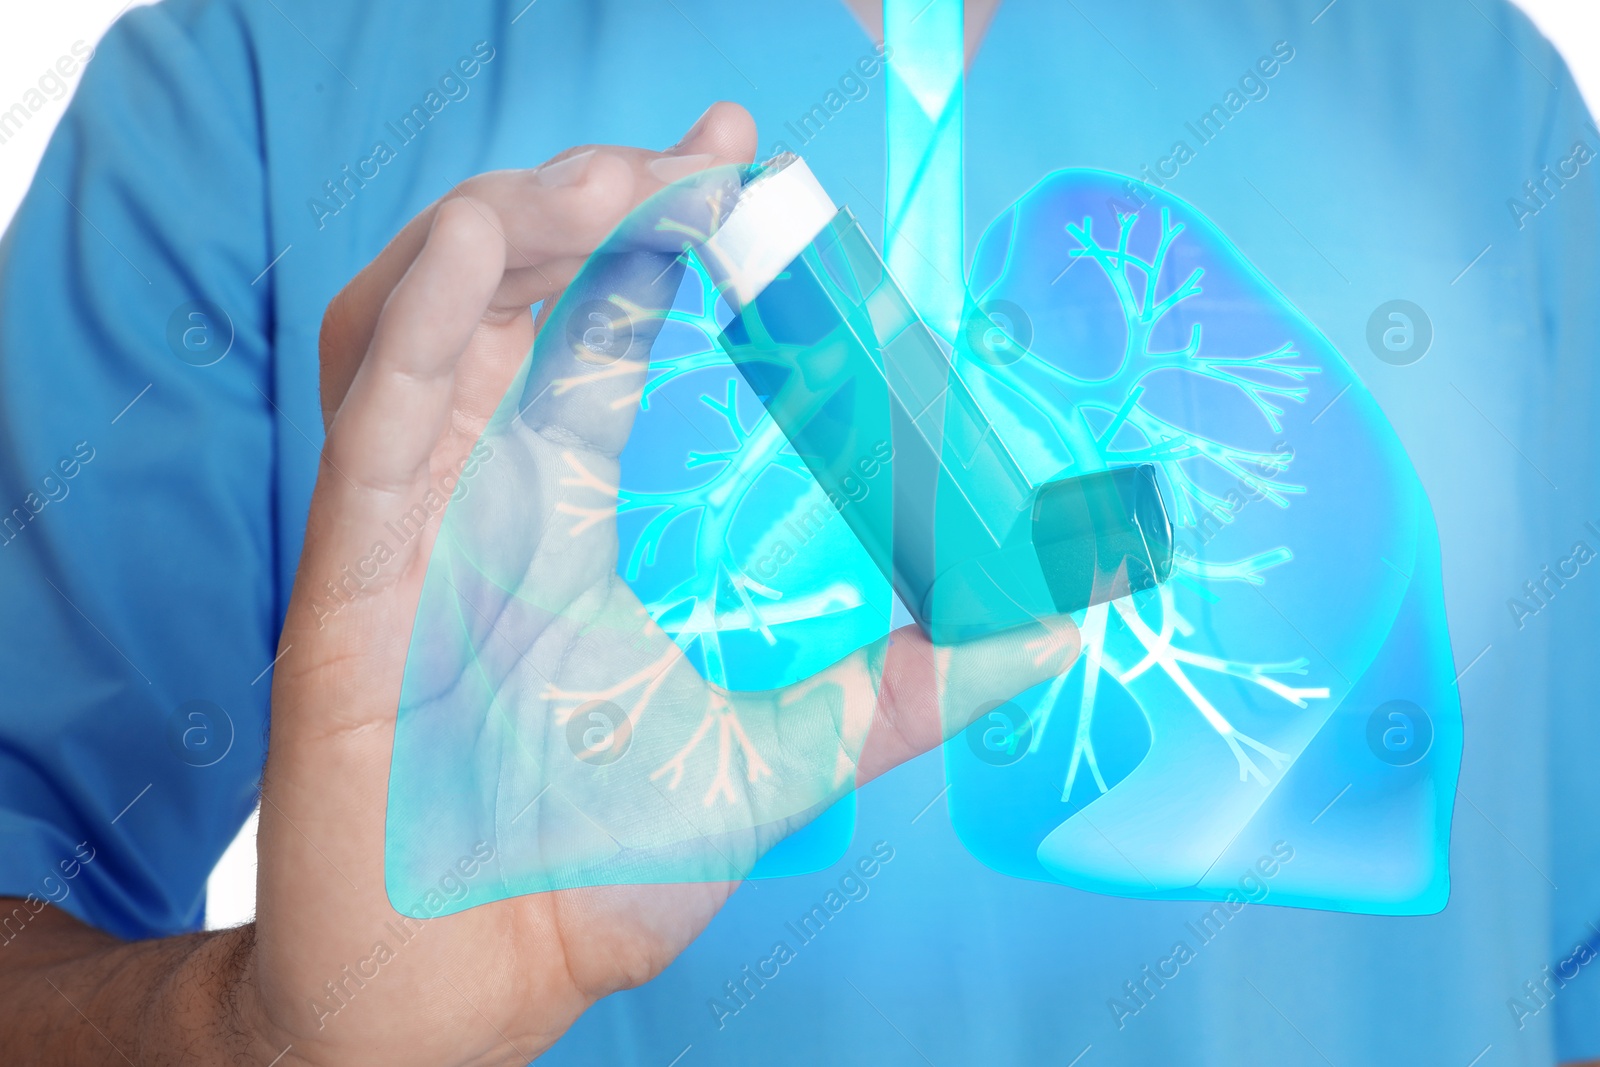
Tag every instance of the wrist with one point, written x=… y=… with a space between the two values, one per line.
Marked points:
x=77 y=995
x=197 y=1001
x=213 y=999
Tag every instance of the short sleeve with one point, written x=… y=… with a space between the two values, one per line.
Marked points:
x=136 y=475
x=1564 y=224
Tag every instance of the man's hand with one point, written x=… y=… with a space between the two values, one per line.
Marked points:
x=417 y=353
x=427 y=340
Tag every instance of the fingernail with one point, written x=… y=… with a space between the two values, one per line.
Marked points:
x=567 y=171
x=694 y=129
x=669 y=169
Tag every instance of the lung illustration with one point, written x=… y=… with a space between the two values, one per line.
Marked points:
x=1290 y=690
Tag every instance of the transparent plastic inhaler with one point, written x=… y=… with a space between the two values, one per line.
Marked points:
x=857 y=381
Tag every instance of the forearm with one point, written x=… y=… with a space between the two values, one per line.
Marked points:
x=70 y=994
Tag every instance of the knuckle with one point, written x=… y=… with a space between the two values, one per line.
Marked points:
x=464 y=219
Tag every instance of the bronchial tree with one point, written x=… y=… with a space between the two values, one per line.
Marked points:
x=1108 y=421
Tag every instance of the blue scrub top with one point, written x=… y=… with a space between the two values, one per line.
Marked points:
x=1386 y=161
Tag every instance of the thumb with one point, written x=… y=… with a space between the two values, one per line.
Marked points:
x=928 y=693
x=891 y=701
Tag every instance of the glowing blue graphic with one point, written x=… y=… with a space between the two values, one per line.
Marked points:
x=1207 y=719
x=1292 y=681
x=1227 y=709
x=734 y=548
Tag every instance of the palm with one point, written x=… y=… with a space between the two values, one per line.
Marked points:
x=595 y=785
x=554 y=633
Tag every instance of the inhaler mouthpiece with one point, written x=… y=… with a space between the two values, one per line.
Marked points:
x=856 y=380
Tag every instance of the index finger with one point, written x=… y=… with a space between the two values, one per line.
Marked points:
x=549 y=218
x=593 y=349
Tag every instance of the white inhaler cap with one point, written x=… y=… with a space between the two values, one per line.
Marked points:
x=779 y=212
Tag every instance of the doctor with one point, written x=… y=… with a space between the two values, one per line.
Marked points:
x=225 y=156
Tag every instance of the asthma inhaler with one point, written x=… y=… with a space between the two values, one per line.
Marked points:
x=857 y=382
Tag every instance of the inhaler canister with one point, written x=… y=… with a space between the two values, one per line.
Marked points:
x=868 y=398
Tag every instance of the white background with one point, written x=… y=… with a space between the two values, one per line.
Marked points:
x=34 y=36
